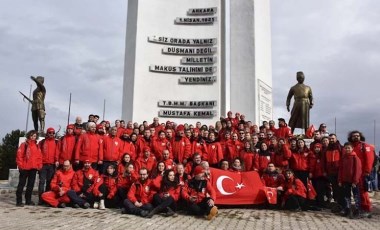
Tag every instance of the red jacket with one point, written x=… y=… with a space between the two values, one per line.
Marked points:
x=283 y=132
x=214 y=153
x=128 y=147
x=111 y=149
x=281 y=156
x=159 y=145
x=331 y=159
x=232 y=149
x=316 y=167
x=300 y=161
x=352 y=169
x=191 y=191
x=261 y=161
x=294 y=187
x=141 y=143
x=273 y=179
x=65 y=148
x=249 y=158
x=198 y=146
x=141 y=192
x=62 y=180
x=78 y=179
x=126 y=180
x=29 y=156
x=148 y=163
x=365 y=152
x=49 y=152
x=174 y=192
x=110 y=182
x=169 y=164
x=89 y=147
x=181 y=149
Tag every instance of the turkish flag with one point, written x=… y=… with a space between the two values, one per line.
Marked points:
x=271 y=194
x=234 y=188
x=310 y=131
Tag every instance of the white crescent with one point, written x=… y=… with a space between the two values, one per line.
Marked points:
x=219 y=185
x=270 y=193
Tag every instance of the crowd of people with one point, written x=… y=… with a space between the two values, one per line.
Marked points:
x=146 y=169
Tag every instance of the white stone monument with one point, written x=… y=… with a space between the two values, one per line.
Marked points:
x=195 y=60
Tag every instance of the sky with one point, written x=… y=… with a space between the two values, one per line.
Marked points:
x=79 y=47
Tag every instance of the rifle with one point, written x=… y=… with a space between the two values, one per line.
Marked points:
x=25 y=97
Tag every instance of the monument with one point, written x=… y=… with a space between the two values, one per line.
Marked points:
x=195 y=60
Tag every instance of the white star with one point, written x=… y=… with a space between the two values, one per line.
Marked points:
x=239 y=186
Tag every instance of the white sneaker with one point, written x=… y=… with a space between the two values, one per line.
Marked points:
x=101 y=205
x=96 y=205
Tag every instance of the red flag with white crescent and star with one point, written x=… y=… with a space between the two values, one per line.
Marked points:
x=271 y=194
x=234 y=188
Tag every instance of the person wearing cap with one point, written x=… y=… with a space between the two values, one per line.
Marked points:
x=200 y=195
x=140 y=196
x=283 y=130
x=100 y=131
x=28 y=160
x=82 y=186
x=111 y=150
x=89 y=147
x=147 y=160
x=181 y=146
x=49 y=151
x=60 y=185
x=66 y=146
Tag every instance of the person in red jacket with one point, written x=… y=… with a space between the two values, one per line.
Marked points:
x=274 y=179
x=281 y=153
x=147 y=161
x=140 y=196
x=198 y=145
x=127 y=146
x=366 y=154
x=181 y=146
x=214 y=151
x=89 y=147
x=160 y=144
x=49 y=151
x=248 y=157
x=294 y=192
x=263 y=158
x=349 y=178
x=145 y=141
x=317 y=175
x=82 y=186
x=283 y=130
x=66 y=144
x=233 y=148
x=200 y=195
x=111 y=150
x=300 y=161
x=167 y=196
x=169 y=163
x=124 y=162
x=105 y=189
x=60 y=185
x=29 y=160
x=125 y=180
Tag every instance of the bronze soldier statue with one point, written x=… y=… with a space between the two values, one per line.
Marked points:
x=303 y=102
x=38 y=103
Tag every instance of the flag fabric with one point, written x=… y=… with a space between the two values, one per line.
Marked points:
x=271 y=194
x=234 y=188
x=310 y=131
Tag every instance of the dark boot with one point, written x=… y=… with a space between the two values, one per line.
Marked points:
x=153 y=212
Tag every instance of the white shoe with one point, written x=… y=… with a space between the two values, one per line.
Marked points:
x=101 y=205
x=96 y=205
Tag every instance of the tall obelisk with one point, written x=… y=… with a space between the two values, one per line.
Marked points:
x=196 y=60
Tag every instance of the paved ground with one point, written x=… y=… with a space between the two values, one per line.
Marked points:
x=38 y=217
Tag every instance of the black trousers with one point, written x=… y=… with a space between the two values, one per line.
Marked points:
x=109 y=203
x=132 y=209
x=45 y=176
x=27 y=177
x=337 y=190
x=320 y=185
x=201 y=208
x=76 y=199
x=295 y=202
x=164 y=202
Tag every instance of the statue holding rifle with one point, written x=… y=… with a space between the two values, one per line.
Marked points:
x=38 y=103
